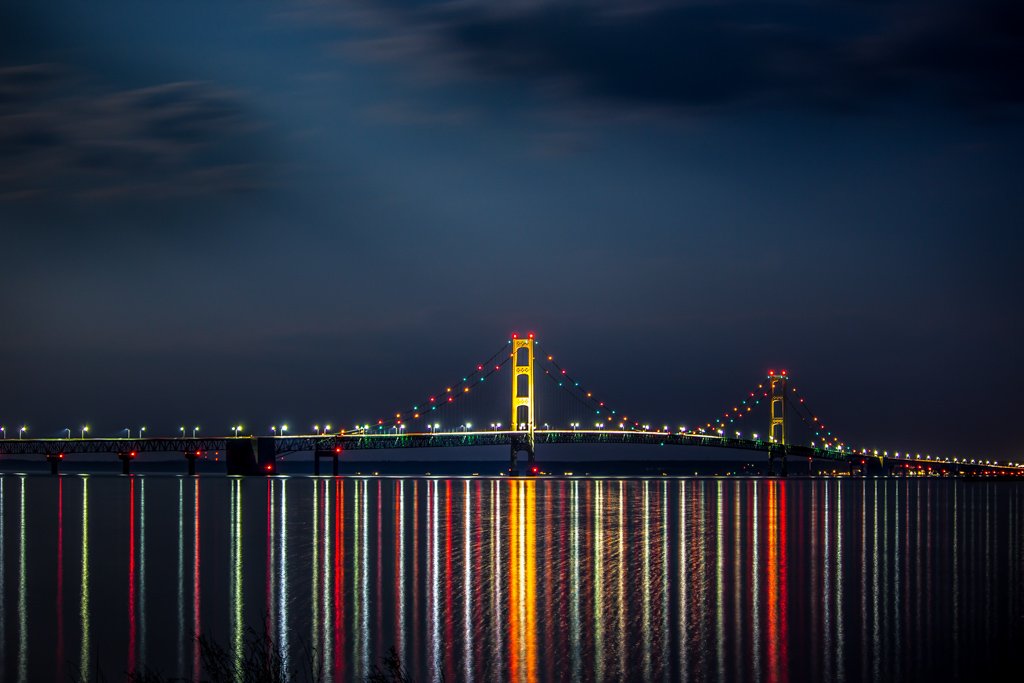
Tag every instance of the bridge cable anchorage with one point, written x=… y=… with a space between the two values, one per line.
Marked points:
x=452 y=393
x=573 y=387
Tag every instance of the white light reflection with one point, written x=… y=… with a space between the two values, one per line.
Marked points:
x=467 y=582
x=574 y=579
x=22 y=592
x=83 y=662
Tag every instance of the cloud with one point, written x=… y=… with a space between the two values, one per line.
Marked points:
x=65 y=137
x=672 y=56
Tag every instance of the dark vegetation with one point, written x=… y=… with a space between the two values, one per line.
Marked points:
x=262 y=661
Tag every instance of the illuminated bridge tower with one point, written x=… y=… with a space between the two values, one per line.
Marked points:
x=522 y=423
x=777 y=385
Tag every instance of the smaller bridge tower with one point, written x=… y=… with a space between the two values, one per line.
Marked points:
x=522 y=421
x=778 y=382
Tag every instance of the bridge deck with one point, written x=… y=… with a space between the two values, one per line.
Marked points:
x=399 y=440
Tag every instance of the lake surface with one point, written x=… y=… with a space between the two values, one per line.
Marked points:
x=501 y=579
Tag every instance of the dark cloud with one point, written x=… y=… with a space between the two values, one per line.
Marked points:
x=64 y=137
x=680 y=55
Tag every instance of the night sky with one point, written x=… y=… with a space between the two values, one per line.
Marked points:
x=214 y=213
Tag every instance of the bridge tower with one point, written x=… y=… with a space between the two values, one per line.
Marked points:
x=522 y=422
x=778 y=382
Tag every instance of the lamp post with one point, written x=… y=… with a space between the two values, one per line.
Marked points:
x=84 y=430
x=21 y=432
x=3 y=430
x=141 y=430
x=182 y=430
x=68 y=430
x=194 y=430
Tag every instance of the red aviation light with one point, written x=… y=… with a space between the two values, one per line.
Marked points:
x=771 y=373
x=515 y=335
x=268 y=467
x=534 y=470
x=530 y=335
x=337 y=449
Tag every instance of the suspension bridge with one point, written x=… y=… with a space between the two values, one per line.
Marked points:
x=572 y=414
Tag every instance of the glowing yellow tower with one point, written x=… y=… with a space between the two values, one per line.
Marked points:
x=522 y=421
x=777 y=384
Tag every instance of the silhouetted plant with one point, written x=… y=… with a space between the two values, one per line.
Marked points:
x=389 y=670
x=261 y=661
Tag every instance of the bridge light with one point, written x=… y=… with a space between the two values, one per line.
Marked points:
x=337 y=449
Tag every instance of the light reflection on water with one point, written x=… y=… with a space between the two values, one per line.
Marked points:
x=519 y=580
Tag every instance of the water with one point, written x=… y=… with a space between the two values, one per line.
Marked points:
x=495 y=579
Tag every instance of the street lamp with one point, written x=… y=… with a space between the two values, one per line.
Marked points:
x=3 y=430
x=194 y=430
x=128 y=432
x=284 y=428
x=21 y=432
x=68 y=430
x=84 y=430
x=141 y=430
x=235 y=429
x=316 y=429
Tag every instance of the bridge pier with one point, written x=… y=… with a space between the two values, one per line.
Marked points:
x=126 y=462
x=191 y=457
x=322 y=453
x=523 y=444
x=54 y=460
x=783 y=467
